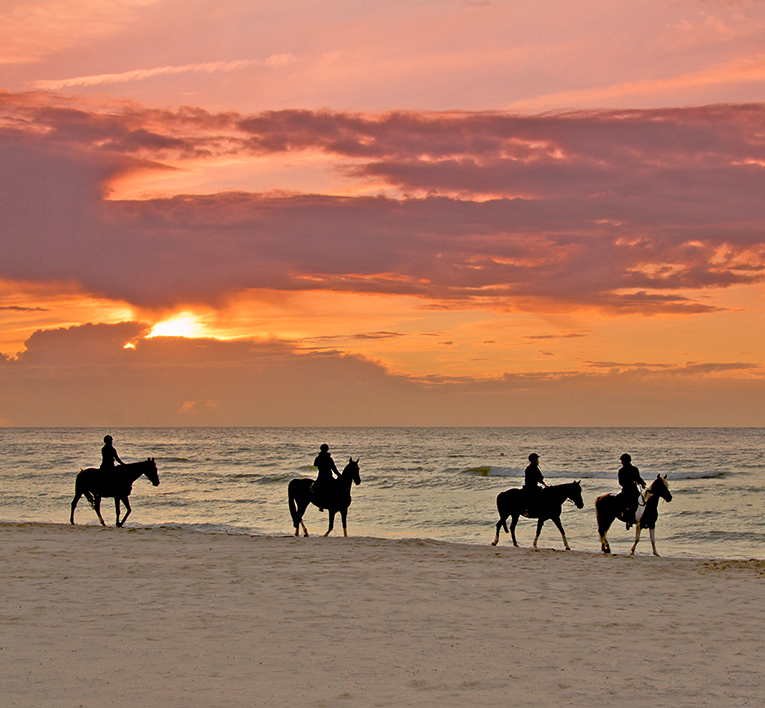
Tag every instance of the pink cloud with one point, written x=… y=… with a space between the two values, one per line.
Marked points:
x=628 y=211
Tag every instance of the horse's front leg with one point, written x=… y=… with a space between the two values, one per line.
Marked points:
x=513 y=524
x=651 y=533
x=556 y=521
x=344 y=517
x=540 y=524
x=127 y=510
x=331 y=523
x=97 y=507
x=637 y=538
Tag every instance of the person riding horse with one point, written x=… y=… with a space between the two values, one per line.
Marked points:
x=109 y=455
x=322 y=487
x=532 y=479
x=629 y=479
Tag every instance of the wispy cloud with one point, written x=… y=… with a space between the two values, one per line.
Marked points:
x=748 y=70
x=275 y=61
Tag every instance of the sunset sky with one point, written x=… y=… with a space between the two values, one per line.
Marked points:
x=436 y=212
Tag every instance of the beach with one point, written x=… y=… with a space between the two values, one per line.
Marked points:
x=172 y=617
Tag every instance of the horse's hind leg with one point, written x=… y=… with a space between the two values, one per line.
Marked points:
x=502 y=522
x=331 y=523
x=556 y=521
x=97 y=507
x=513 y=524
x=540 y=524
x=602 y=531
x=77 y=496
x=301 y=507
x=637 y=538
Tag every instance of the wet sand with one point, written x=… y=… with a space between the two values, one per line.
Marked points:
x=164 y=617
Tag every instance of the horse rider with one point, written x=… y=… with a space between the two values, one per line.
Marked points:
x=532 y=479
x=629 y=479
x=109 y=455
x=323 y=484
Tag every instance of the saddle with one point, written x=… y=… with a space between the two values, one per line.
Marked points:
x=322 y=493
x=531 y=499
x=625 y=514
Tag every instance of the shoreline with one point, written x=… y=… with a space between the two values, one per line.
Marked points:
x=173 y=617
x=621 y=543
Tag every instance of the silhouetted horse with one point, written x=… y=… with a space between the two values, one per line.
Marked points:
x=608 y=508
x=547 y=506
x=96 y=483
x=336 y=498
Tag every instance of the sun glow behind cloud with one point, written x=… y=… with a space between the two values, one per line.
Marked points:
x=182 y=325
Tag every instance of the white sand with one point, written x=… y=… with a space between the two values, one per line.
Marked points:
x=165 y=618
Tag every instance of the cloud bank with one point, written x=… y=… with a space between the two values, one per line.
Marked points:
x=84 y=376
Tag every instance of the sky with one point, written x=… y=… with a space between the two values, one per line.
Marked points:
x=436 y=212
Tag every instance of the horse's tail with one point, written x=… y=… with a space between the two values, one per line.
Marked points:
x=502 y=504
x=600 y=513
x=81 y=488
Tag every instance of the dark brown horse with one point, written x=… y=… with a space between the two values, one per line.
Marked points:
x=608 y=508
x=548 y=506
x=336 y=498
x=96 y=483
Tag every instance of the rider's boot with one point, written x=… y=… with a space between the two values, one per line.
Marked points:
x=629 y=517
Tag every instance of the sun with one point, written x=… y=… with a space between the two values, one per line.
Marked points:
x=182 y=325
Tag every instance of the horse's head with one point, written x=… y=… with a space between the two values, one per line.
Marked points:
x=151 y=471
x=660 y=487
x=352 y=469
x=575 y=495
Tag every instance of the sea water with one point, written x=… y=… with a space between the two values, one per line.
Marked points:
x=437 y=483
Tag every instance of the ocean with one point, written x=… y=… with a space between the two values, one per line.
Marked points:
x=434 y=483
